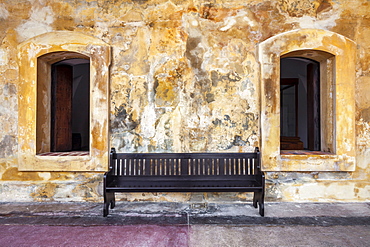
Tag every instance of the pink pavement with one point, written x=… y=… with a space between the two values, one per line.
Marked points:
x=131 y=235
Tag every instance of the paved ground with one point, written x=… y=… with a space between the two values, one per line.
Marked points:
x=178 y=224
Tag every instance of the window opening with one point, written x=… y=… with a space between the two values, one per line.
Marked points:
x=299 y=104
x=335 y=55
x=70 y=105
x=35 y=59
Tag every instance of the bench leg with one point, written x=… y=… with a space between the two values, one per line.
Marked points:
x=255 y=199
x=109 y=199
x=261 y=209
x=113 y=202
x=259 y=197
x=261 y=203
x=105 y=210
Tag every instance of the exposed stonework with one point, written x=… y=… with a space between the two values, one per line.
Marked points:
x=184 y=76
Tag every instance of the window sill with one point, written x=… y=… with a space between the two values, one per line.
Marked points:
x=303 y=152
x=65 y=154
x=301 y=160
x=63 y=161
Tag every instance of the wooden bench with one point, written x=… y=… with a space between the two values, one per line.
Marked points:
x=184 y=172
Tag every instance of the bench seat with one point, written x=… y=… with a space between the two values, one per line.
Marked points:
x=184 y=183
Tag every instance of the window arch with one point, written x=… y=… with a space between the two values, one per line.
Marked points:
x=35 y=57
x=336 y=56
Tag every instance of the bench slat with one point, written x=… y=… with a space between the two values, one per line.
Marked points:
x=158 y=167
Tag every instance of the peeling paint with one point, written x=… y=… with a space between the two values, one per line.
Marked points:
x=7 y=145
x=40 y=22
x=184 y=76
x=4 y=13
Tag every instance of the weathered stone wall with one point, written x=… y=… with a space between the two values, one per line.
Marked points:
x=184 y=77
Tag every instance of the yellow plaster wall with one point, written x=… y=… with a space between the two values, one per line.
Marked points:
x=184 y=76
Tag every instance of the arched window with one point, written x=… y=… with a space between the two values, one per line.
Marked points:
x=332 y=130
x=51 y=84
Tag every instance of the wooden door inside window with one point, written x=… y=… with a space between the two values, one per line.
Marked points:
x=61 y=108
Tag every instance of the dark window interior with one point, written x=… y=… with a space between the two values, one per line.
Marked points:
x=299 y=104
x=70 y=105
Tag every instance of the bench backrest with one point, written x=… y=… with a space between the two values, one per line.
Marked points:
x=184 y=164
